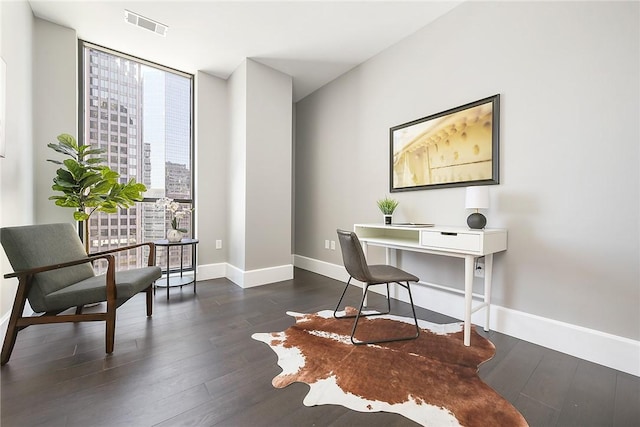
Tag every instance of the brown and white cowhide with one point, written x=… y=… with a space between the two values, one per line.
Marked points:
x=431 y=380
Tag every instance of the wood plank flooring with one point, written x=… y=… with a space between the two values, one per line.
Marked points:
x=194 y=364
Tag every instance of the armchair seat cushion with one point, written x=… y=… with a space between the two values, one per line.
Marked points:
x=93 y=289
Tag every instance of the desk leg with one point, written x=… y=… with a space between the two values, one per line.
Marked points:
x=488 y=270
x=468 y=296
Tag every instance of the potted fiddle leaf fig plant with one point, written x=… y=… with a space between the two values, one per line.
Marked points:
x=387 y=206
x=87 y=185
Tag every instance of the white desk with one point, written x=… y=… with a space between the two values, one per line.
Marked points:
x=459 y=242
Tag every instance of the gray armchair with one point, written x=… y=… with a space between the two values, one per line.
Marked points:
x=55 y=274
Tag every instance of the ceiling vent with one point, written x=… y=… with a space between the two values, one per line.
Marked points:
x=146 y=23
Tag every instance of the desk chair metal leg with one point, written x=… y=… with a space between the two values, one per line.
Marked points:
x=378 y=341
x=364 y=293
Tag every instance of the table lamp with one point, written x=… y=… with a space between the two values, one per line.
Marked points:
x=477 y=198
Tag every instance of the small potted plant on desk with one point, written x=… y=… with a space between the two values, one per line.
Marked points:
x=387 y=206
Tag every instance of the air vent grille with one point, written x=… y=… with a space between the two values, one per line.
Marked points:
x=146 y=23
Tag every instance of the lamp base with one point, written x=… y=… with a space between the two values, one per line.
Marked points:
x=476 y=221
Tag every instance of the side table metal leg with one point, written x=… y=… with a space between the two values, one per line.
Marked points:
x=181 y=266
x=168 y=270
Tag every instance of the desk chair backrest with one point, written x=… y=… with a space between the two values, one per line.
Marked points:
x=39 y=245
x=353 y=256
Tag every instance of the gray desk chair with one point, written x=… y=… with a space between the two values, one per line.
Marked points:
x=55 y=274
x=357 y=267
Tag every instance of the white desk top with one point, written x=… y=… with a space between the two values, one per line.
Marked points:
x=432 y=227
x=458 y=241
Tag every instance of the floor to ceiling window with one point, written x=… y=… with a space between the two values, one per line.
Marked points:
x=142 y=115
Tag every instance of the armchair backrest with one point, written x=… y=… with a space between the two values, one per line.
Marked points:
x=40 y=245
x=353 y=256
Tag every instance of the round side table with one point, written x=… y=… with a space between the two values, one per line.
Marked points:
x=171 y=282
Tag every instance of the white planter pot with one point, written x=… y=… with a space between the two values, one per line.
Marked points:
x=174 y=236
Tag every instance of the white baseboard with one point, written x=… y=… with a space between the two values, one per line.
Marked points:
x=212 y=271
x=321 y=267
x=265 y=276
x=595 y=346
x=246 y=279
x=4 y=321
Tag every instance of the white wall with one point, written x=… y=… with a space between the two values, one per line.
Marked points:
x=16 y=169
x=569 y=192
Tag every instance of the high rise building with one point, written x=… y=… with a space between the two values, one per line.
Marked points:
x=113 y=109
x=141 y=117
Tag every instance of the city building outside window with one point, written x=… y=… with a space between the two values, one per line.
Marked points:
x=142 y=115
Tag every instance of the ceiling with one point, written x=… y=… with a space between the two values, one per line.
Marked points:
x=313 y=41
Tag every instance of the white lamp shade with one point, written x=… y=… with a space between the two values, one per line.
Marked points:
x=477 y=197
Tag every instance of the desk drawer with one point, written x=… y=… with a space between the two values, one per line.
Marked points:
x=451 y=240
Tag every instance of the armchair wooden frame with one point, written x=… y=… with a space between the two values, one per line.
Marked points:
x=17 y=321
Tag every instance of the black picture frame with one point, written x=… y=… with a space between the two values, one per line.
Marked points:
x=458 y=147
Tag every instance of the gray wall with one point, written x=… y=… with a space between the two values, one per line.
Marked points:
x=16 y=169
x=269 y=167
x=237 y=104
x=569 y=193
x=211 y=167
x=55 y=89
x=260 y=167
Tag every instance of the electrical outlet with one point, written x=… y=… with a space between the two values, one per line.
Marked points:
x=326 y=244
x=333 y=245
x=218 y=244
x=479 y=269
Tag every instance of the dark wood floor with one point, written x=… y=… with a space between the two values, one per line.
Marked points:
x=194 y=363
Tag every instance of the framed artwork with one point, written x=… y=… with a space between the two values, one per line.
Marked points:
x=455 y=148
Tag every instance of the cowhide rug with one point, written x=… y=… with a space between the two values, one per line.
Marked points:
x=431 y=380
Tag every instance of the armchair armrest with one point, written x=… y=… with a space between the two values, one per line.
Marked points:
x=152 y=251
x=42 y=269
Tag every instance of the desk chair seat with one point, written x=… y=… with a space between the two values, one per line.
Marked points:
x=55 y=274
x=357 y=267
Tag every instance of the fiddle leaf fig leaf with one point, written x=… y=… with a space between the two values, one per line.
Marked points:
x=63 y=149
x=110 y=176
x=68 y=141
x=74 y=168
x=80 y=216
